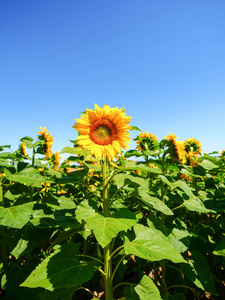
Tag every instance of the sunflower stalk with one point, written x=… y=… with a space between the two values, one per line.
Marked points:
x=108 y=248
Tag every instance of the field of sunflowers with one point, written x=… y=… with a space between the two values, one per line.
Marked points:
x=110 y=223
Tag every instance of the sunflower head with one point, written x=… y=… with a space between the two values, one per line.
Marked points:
x=22 y=149
x=146 y=141
x=192 y=158
x=103 y=131
x=56 y=157
x=222 y=154
x=46 y=147
x=193 y=145
x=193 y=148
x=176 y=148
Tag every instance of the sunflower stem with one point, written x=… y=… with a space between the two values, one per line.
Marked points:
x=108 y=248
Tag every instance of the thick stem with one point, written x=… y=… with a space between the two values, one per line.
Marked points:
x=107 y=249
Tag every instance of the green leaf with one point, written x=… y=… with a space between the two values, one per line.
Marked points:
x=152 y=245
x=61 y=202
x=16 y=216
x=75 y=150
x=130 y=293
x=7 y=155
x=208 y=165
x=105 y=228
x=133 y=166
x=135 y=128
x=147 y=290
x=131 y=153
x=154 y=203
x=60 y=270
x=220 y=249
x=197 y=270
x=196 y=204
x=22 y=241
x=179 y=239
x=127 y=179
x=29 y=175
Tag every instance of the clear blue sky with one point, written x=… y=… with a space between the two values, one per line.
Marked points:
x=163 y=60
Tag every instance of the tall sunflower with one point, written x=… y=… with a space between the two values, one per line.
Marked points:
x=103 y=131
x=146 y=141
x=193 y=148
x=46 y=148
x=56 y=158
x=177 y=148
x=23 y=149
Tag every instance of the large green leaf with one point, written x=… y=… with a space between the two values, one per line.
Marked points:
x=133 y=166
x=220 y=249
x=197 y=270
x=152 y=245
x=60 y=270
x=16 y=216
x=147 y=290
x=127 y=179
x=179 y=239
x=154 y=202
x=28 y=176
x=195 y=204
x=105 y=228
x=22 y=241
x=61 y=202
x=208 y=165
x=75 y=150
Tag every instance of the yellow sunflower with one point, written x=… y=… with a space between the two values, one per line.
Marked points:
x=193 y=148
x=46 y=148
x=57 y=158
x=177 y=148
x=222 y=154
x=103 y=131
x=146 y=141
x=23 y=149
x=193 y=145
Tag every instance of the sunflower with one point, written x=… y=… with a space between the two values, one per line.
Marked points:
x=193 y=145
x=103 y=131
x=46 y=148
x=222 y=154
x=56 y=158
x=146 y=141
x=193 y=148
x=23 y=149
x=177 y=148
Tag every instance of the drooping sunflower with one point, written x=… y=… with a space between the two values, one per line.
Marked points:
x=146 y=141
x=103 y=131
x=46 y=148
x=177 y=148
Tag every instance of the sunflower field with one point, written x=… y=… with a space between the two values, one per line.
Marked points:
x=110 y=222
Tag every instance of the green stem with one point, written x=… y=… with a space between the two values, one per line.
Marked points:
x=32 y=185
x=122 y=283
x=107 y=249
x=163 y=262
x=114 y=272
x=116 y=250
x=98 y=260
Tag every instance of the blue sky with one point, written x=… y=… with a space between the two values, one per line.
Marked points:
x=164 y=61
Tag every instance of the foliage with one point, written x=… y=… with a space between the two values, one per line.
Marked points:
x=164 y=224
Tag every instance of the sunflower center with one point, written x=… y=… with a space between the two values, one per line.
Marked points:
x=103 y=132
